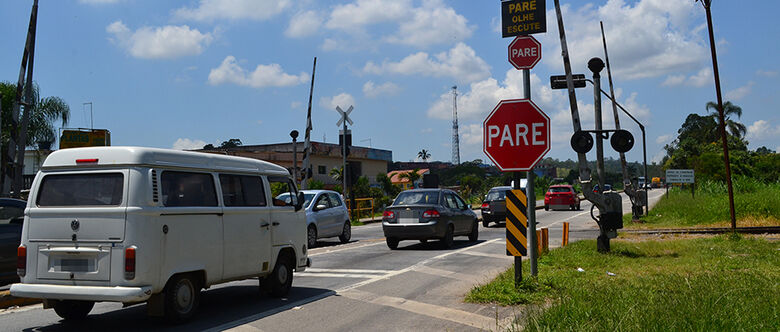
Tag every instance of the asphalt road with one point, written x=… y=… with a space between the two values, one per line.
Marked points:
x=358 y=286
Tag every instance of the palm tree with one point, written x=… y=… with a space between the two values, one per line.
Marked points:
x=735 y=128
x=337 y=174
x=45 y=111
x=424 y=155
x=411 y=175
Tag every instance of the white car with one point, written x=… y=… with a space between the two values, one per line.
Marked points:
x=132 y=225
x=326 y=216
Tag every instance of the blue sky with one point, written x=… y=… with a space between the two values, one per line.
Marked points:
x=181 y=74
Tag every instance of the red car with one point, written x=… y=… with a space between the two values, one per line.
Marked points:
x=562 y=196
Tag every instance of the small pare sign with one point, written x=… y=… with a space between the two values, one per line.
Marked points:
x=523 y=17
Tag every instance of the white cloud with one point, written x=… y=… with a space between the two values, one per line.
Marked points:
x=263 y=76
x=295 y=105
x=646 y=38
x=664 y=139
x=740 y=92
x=426 y=131
x=98 y=2
x=304 y=24
x=365 y=12
x=344 y=100
x=762 y=130
x=433 y=23
x=210 y=10
x=165 y=42
x=702 y=78
x=460 y=63
x=674 y=80
x=372 y=90
x=767 y=73
x=188 y=144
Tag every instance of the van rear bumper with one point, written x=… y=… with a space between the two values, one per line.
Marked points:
x=85 y=293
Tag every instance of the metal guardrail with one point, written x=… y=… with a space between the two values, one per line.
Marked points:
x=363 y=204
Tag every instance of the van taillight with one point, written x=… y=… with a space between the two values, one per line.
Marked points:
x=21 y=260
x=130 y=263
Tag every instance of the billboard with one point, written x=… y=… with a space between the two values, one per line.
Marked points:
x=78 y=138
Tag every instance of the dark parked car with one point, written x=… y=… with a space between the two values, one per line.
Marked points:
x=11 y=219
x=561 y=197
x=423 y=214
x=607 y=187
x=494 y=205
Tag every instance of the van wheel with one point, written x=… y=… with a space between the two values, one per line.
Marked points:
x=346 y=233
x=182 y=296
x=447 y=240
x=311 y=238
x=392 y=243
x=278 y=284
x=72 y=309
x=474 y=235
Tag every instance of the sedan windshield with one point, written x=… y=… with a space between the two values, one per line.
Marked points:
x=417 y=197
x=559 y=189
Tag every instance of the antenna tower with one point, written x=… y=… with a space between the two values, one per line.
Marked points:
x=455 y=139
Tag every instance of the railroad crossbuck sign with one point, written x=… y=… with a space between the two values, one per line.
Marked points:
x=516 y=135
x=516 y=223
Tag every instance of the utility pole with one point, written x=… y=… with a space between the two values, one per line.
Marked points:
x=721 y=116
x=91 y=117
x=455 y=132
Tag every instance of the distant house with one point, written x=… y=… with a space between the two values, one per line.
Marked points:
x=395 y=178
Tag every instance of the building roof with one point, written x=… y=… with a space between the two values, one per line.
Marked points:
x=396 y=178
x=283 y=151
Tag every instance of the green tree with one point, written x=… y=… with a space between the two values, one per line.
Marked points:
x=387 y=185
x=424 y=155
x=733 y=127
x=337 y=174
x=46 y=111
x=411 y=175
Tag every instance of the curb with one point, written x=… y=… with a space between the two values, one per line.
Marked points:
x=7 y=300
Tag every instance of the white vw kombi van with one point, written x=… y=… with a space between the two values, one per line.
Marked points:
x=132 y=225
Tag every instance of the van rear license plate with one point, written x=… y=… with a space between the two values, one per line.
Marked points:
x=74 y=265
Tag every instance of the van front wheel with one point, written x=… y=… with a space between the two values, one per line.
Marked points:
x=72 y=309
x=278 y=284
x=182 y=296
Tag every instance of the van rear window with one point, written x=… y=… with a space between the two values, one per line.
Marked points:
x=94 y=189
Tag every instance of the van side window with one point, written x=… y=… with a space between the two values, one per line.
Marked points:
x=283 y=191
x=242 y=190
x=188 y=189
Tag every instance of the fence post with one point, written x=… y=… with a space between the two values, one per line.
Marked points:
x=565 y=241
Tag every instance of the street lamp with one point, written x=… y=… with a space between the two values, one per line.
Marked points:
x=294 y=135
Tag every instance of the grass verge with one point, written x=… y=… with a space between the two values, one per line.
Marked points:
x=755 y=203
x=717 y=283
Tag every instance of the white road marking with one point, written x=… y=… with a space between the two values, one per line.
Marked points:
x=344 y=248
x=482 y=254
x=319 y=270
x=420 y=308
x=336 y=275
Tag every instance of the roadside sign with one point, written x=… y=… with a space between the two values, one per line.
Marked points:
x=78 y=138
x=516 y=223
x=679 y=176
x=523 y=17
x=525 y=52
x=516 y=135
x=559 y=81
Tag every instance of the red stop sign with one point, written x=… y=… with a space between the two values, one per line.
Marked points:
x=525 y=52
x=516 y=135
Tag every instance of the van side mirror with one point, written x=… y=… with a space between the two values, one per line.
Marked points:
x=299 y=203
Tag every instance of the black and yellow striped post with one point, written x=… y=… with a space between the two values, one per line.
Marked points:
x=516 y=223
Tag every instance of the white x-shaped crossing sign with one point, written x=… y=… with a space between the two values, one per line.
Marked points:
x=344 y=116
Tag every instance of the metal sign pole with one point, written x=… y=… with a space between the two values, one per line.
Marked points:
x=529 y=193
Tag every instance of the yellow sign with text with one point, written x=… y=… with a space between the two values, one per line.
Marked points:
x=79 y=138
x=523 y=17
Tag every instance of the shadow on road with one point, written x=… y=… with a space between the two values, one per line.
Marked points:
x=411 y=245
x=223 y=307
